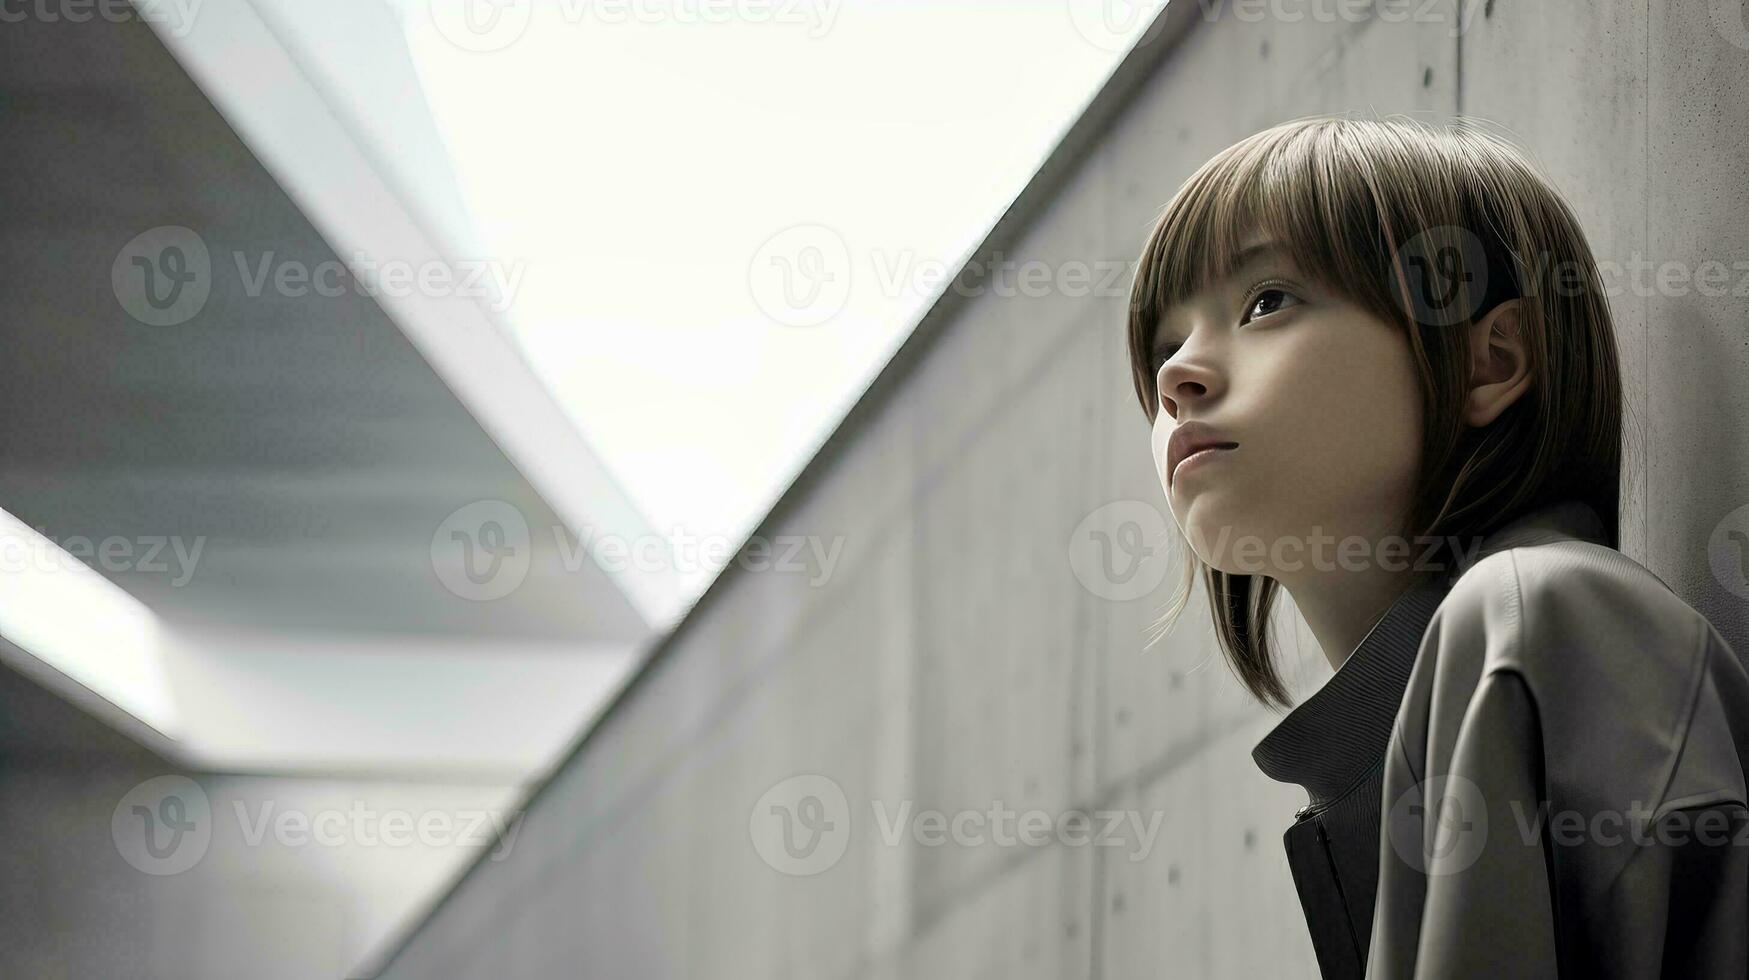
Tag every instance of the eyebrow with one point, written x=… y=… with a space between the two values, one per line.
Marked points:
x=1247 y=256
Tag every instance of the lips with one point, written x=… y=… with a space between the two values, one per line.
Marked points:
x=1189 y=439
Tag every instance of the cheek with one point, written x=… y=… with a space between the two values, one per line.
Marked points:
x=1350 y=419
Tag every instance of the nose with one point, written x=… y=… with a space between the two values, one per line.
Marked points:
x=1185 y=383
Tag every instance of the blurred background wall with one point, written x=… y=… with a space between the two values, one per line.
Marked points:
x=979 y=641
x=246 y=894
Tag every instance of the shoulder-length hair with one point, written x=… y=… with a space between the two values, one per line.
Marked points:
x=1428 y=227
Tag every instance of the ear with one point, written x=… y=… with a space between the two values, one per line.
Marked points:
x=1499 y=366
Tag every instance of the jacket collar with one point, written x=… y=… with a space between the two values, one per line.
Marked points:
x=1337 y=736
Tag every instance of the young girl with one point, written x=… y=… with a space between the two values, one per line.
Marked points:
x=1381 y=373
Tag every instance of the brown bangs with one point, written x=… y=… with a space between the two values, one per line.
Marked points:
x=1301 y=187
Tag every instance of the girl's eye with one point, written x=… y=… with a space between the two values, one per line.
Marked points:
x=1271 y=300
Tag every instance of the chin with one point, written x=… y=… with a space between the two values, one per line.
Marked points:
x=1212 y=526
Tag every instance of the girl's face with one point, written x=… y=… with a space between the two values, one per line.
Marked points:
x=1321 y=400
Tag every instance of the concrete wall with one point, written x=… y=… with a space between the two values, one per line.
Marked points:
x=265 y=886
x=955 y=659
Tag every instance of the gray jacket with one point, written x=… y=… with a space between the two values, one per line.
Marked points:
x=1559 y=791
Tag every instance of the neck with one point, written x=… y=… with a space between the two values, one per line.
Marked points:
x=1342 y=606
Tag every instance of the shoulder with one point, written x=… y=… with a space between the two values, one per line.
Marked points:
x=1572 y=605
x=1618 y=675
x=1600 y=643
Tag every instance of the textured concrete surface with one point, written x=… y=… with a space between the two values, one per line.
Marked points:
x=287 y=878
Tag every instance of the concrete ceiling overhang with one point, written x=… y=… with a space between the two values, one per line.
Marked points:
x=298 y=458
